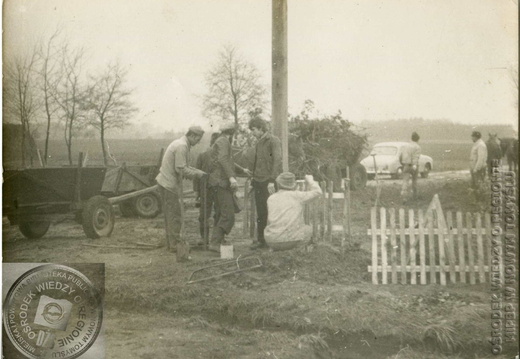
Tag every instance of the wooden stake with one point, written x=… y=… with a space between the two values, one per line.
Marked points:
x=330 y=210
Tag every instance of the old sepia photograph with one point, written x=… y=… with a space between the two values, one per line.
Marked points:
x=260 y=179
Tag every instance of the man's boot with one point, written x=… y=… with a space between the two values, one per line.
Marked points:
x=216 y=239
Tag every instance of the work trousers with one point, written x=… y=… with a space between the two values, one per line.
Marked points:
x=207 y=199
x=261 y=196
x=409 y=173
x=224 y=213
x=171 y=206
x=477 y=178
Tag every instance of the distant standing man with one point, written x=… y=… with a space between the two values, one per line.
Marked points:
x=175 y=164
x=266 y=168
x=477 y=159
x=410 y=161
x=223 y=184
x=202 y=192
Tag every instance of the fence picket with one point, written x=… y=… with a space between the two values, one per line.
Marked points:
x=422 y=248
x=413 y=251
x=384 y=258
x=373 y=220
x=471 y=258
x=451 y=248
x=323 y=205
x=402 y=246
x=462 y=258
x=431 y=246
x=487 y=241
x=330 y=205
x=393 y=242
x=442 y=258
x=480 y=252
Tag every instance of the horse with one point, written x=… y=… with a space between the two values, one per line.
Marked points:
x=509 y=146
x=494 y=151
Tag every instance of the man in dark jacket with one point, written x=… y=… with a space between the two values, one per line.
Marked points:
x=223 y=184
x=202 y=192
x=267 y=166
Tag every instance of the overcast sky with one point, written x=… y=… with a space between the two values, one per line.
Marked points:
x=371 y=59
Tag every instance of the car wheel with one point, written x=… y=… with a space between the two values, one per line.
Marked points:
x=398 y=174
x=427 y=170
x=358 y=177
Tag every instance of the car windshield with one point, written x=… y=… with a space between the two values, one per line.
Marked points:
x=384 y=150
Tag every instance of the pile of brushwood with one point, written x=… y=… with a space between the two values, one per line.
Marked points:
x=323 y=145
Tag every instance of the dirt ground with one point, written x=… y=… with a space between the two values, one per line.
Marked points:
x=309 y=302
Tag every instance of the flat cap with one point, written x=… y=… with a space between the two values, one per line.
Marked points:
x=230 y=126
x=197 y=130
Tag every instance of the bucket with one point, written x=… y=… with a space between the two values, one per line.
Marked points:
x=226 y=251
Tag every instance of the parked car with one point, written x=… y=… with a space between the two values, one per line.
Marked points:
x=386 y=155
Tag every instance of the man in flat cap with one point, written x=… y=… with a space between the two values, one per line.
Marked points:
x=409 y=158
x=222 y=182
x=175 y=166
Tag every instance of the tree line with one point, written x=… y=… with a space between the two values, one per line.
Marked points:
x=49 y=84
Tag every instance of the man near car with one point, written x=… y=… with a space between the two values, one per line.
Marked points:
x=202 y=193
x=477 y=160
x=222 y=182
x=409 y=159
x=174 y=167
x=266 y=168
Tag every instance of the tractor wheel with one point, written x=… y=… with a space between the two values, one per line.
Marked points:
x=34 y=230
x=147 y=205
x=98 y=217
x=358 y=177
x=127 y=208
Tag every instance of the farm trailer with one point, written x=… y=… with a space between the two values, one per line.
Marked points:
x=35 y=197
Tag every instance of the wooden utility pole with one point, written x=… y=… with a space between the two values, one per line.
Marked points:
x=279 y=73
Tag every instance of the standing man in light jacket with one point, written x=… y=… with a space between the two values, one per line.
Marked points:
x=410 y=161
x=175 y=165
x=266 y=168
x=477 y=160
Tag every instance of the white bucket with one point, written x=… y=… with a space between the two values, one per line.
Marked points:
x=226 y=251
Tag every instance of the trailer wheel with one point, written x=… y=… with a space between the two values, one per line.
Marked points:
x=127 y=208
x=147 y=205
x=98 y=217
x=34 y=230
x=358 y=177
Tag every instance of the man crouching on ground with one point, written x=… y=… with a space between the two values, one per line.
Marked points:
x=285 y=225
x=175 y=165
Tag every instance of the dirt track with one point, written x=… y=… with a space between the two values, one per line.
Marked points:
x=306 y=303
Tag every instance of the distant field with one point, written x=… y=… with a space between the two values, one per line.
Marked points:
x=133 y=152
x=447 y=155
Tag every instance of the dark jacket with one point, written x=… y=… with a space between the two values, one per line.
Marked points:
x=223 y=164
x=268 y=159
x=205 y=164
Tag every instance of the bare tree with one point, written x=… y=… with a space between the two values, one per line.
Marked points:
x=49 y=78
x=70 y=94
x=109 y=102
x=20 y=98
x=234 y=88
